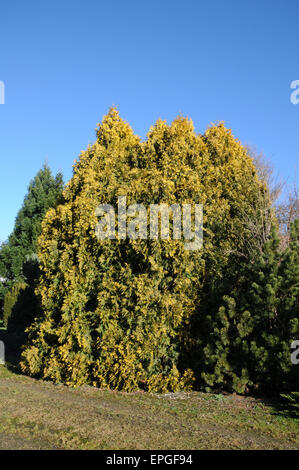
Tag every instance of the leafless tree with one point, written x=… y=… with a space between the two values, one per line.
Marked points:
x=283 y=197
x=259 y=222
x=286 y=212
x=266 y=173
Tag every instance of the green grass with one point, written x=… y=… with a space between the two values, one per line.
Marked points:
x=40 y=415
x=43 y=415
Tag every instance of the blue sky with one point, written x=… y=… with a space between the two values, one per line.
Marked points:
x=64 y=63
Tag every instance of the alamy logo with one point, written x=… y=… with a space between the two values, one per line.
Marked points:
x=295 y=354
x=2 y=92
x=133 y=222
x=2 y=353
x=295 y=95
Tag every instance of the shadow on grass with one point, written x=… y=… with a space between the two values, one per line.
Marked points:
x=13 y=343
x=284 y=405
x=287 y=405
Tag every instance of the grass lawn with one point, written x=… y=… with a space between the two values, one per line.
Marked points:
x=41 y=415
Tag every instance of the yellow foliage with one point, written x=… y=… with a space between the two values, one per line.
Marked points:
x=117 y=313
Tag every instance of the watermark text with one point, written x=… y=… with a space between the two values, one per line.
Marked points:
x=295 y=94
x=2 y=353
x=2 y=92
x=295 y=353
x=135 y=221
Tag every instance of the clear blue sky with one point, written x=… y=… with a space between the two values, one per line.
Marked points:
x=64 y=63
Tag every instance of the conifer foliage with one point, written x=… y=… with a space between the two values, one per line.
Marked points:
x=249 y=333
x=43 y=192
x=18 y=259
x=275 y=303
x=119 y=313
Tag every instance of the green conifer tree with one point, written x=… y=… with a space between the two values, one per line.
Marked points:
x=247 y=342
x=18 y=258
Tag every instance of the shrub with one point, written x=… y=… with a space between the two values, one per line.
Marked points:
x=10 y=300
x=119 y=313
